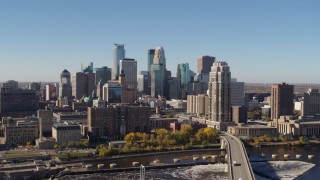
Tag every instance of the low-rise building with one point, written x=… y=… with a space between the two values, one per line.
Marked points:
x=65 y=133
x=19 y=132
x=157 y=123
x=247 y=131
x=299 y=127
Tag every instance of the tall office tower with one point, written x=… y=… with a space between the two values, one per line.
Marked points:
x=204 y=64
x=118 y=54
x=150 y=58
x=129 y=67
x=103 y=74
x=157 y=80
x=83 y=84
x=159 y=57
x=9 y=85
x=311 y=103
x=173 y=88
x=87 y=67
x=219 y=93
x=281 y=100
x=183 y=74
x=158 y=73
x=143 y=82
x=65 y=89
x=237 y=93
x=50 y=92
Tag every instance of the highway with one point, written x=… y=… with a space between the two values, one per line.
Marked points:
x=236 y=152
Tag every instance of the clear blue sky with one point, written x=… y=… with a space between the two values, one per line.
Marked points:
x=263 y=41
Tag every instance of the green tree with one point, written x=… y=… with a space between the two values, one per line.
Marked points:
x=187 y=130
x=86 y=143
x=303 y=139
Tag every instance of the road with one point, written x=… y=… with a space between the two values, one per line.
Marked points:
x=237 y=153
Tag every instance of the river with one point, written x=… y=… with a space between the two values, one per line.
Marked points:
x=279 y=169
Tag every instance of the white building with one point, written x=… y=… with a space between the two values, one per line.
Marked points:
x=219 y=94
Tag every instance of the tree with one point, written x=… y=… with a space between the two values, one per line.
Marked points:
x=187 y=130
x=211 y=133
x=303 y=139
x=86 y=143
x=130 y=137
x=201 y=135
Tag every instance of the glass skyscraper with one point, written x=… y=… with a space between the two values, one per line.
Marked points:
x=118 y=54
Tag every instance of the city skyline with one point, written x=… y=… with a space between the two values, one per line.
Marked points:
x=267 y=42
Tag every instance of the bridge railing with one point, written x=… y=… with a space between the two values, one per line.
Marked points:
x=230 y=167
x=246 y=156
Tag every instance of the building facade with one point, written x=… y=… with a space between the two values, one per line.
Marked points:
x=83 y=84
x=65 y=87
x=129 y=68
x=311 y=103
x=46 y=120
x=118 y=54
x=219 y=94
x=281 y=100
x=198 y=104
x=237 y=92
x=65 y=133
x=204 y=64
x=239 y=114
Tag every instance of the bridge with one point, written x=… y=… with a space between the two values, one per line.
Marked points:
x=239 y=166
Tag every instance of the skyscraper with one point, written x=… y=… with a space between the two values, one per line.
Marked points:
x=311 y=103
x=281 y=100
x=183 y=74
x=103 y=74
x=219 y=93
x=87 y=67
x=237 y=92
x=205 y=63
x=83 y=84
x=129 y=67
x=118 y=54
x=65 y=89
x=150 y=58
x=158 y=73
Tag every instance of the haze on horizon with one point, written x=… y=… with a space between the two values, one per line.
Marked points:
x=262 y=41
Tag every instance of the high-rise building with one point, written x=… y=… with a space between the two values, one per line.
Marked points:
x=198 y=104
x=311 y=103
x=9 y=85
x=157 y=80
x=118 y=54
x=129 y=67
x=101 y=122
x=150 y=58
x=183 y=74
x=159 y=56
x=158 y=73
x=83 y=84
x=219 y=93
x=103 y=74
x=34 y=86
x=65 y=88
x=112 y=92
x=204 y=64
x=50 y=92
x=87 y=67
x=173 y=88
x=18 y=102
x=239 y=114
x=237 y=93
x=281 y=100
